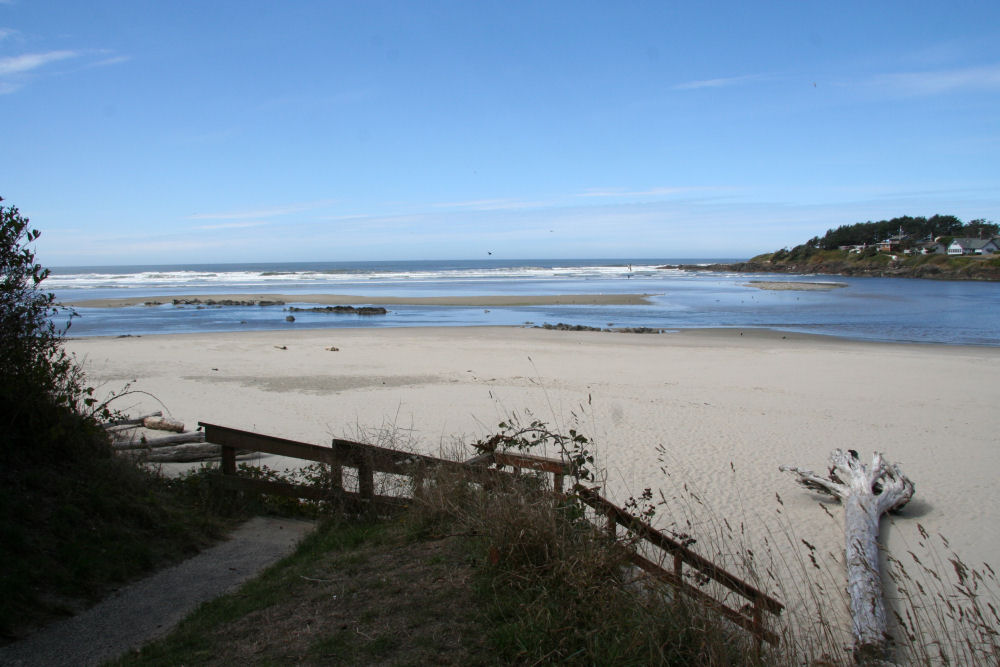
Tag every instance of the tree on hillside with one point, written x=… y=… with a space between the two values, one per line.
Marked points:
x=980 y=229
x=915 y=229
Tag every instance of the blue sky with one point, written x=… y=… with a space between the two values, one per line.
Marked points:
x=181 y=132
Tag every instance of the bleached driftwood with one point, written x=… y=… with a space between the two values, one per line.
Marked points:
x=152 y=443
x=133 y=422
x=163 y=424
x=867 y=492
x=184 y=453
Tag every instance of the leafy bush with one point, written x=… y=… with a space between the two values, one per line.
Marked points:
x=45 y=408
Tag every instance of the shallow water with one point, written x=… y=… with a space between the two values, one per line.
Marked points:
x=877 y=309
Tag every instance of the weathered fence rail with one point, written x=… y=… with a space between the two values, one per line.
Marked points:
x=369 y=459
x=366 y=459
x=760 y=602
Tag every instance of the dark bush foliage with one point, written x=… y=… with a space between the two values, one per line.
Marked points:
x=44 y=406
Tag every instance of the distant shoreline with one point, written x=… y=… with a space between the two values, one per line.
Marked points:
x=353 y=299
x=882 y=265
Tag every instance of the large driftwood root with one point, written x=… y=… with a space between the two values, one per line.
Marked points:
x=867 y=492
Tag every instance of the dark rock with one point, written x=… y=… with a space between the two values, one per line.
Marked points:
x=363 y=310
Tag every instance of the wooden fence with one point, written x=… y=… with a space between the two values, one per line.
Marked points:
x=369 y=459
x=366 y=459
x=759 y=601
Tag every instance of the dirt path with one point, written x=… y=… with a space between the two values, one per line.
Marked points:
x=150 y=608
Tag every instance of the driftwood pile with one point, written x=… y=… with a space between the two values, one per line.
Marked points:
x=130 y=437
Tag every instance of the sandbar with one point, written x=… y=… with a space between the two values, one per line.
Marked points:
x=354 y=299
x=797 y=286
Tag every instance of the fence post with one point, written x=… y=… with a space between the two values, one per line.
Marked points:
x=612 y=525
x=758 y=629
x=366 y=484
x=228 y=460
x=557 y=482
x=417 y=479
x=337 y=477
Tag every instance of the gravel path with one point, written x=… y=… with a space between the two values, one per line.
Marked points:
x=152 y=607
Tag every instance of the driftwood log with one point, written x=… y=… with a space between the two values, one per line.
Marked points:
x=163 y=424
x=183 y=453
x=152 y=443
x=134 y=422
x=867 y=492
x=205 y=451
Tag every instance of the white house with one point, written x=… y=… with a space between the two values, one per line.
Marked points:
x=966 y=246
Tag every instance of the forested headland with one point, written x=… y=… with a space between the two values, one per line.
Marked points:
x=940 y=247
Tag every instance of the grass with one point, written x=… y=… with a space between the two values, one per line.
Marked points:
x=353 y=593
x=464 y=576
x=72 y=532
x=560 y=592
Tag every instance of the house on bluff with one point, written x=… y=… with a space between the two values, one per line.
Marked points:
x=967 y=246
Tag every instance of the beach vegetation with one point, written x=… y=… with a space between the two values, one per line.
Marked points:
x=506 y=572
x=44 y=403
x=75 y=521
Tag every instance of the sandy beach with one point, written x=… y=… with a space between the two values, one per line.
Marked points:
x=726 y=407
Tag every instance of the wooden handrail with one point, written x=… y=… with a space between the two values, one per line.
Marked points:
x=341 y=452
x=752 y=625
x=368 y=459
x=672 y=546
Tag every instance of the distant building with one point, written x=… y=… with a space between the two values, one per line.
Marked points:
x=893 y=243
x=967 y=246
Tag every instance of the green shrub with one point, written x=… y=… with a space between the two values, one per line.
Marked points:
x=45 y=408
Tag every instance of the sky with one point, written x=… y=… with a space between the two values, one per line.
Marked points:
x=142 y=132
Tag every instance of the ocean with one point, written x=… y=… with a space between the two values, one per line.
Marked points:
x=874 y=309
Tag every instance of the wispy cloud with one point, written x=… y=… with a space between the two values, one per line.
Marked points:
x=941 y=81
x=230 y=225
x=15 y=71
x=650 y=192
x=112 y=60
x=489 y=204
x=6 y=32
x=32 y=61
x=274 y=212
x=724 y=82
